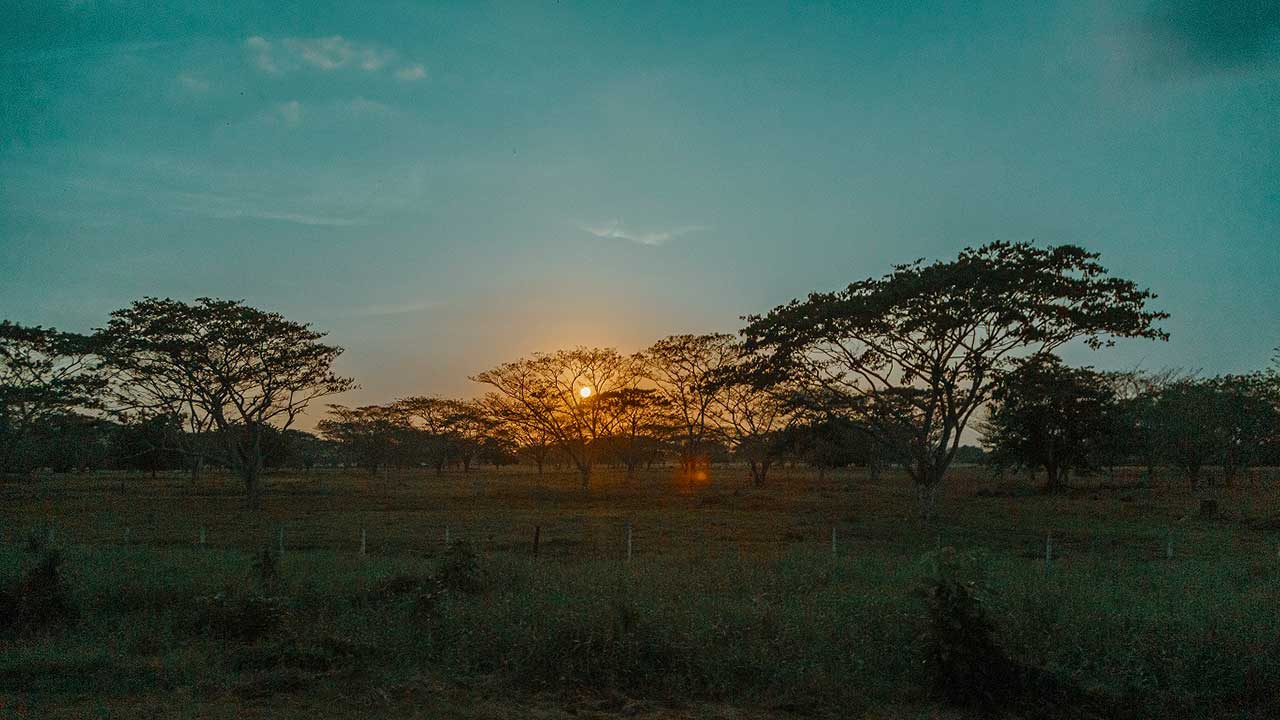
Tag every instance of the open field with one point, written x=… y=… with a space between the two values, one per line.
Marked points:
x=733 y=604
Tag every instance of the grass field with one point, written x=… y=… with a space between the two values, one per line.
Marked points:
x=734 y=604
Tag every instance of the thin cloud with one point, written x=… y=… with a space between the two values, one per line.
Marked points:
x=325 y=53
x=614 y=230
x=222 y=207
x=193 y=83
x=290 y=112
x=410 y=73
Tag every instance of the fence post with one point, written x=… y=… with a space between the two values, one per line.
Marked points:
x=833 y=541
x=537 y=536
x=201 y=536
x=1048 y=553
x=628 y=542
x=364 y=541
x=280 y=540
x=446 y=537
x=1168 y=544
x=126 y=536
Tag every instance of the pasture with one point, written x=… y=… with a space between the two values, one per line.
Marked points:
x=800 y=598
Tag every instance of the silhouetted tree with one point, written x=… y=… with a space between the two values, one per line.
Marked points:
x=545 y=391
x=1047 y=415
x=223 y=366
x=681 y=367
x=924 y=346
x=45 y=377
x=372 y=435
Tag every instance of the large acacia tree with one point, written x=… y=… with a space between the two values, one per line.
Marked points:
x=922 y=348
x=682 y=369
x=225 y=368
x=545 y=392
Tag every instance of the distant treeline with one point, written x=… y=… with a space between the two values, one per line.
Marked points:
x=888 y=371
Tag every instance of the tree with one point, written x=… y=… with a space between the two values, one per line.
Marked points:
x=511 y=423
x=682 y=367
x=923 y=347
x=546 y=391
x=1138 y=435
x=641 y=425
x=45 y=376
x=148 y=443
x=1248 y=410
x=372 y=435
x=753 y=419
x=223 y=366
x=1047 y=415
x=1188 y=425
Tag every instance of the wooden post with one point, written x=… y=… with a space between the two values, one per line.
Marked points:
x=1048 y=553
x=201 y=536
x=537 y=536
x=126 y=536
x=446 y=537
x=833 y=541
x=364 y=541
x=280 y=540
x=1168 y=544
x=628 y=542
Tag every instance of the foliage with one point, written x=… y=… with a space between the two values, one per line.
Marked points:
x=544 y=392
x=223 y=366
x=961 y=661
x=1047 y=415
x=47 y=379
x=682 y=369
x=918 y=351
x=39 y=600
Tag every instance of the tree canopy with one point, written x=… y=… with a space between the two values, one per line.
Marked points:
x=921 y=349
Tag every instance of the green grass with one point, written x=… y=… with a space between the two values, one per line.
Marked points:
x=759 y=618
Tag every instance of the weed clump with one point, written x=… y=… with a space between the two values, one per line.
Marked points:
x=460 y=570
x=39 y=600
x=963 y=665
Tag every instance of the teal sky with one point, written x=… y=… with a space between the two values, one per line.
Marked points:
x=447 y=186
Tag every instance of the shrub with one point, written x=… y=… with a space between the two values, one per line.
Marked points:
x=39 y=600
x=232 y=615
x=461 y=569
x=962 y=663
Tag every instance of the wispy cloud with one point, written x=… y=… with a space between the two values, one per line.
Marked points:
x=193 y=83
x=410 y=73
x=290 y=112
x=222 y=207
x=327 y=53
x=615 y=230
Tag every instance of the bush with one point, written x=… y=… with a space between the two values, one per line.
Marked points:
x=962 y=663
x=39 y=600
x=232 y=615
x=461 y=569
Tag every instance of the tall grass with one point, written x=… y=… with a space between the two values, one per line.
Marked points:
x=802 y=630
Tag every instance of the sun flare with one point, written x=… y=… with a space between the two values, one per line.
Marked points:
x=585 y=391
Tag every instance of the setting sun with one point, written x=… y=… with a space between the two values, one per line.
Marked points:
x=585 y=391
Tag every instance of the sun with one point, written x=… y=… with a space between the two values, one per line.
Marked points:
x=585 y=391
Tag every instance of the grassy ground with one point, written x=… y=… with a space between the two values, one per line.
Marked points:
x=733 y=605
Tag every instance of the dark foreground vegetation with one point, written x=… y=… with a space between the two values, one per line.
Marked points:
x=734 y=604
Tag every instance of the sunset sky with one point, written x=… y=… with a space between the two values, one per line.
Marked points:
x=445 y=186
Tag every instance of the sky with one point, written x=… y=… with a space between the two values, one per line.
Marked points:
x=446 y=186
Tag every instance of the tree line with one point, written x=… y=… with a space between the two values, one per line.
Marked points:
x=889 y=370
